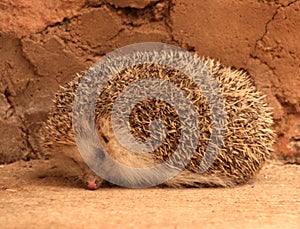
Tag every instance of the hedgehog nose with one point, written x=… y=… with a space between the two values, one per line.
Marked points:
x=91 y=185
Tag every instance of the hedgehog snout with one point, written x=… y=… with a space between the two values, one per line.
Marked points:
x=93 y=184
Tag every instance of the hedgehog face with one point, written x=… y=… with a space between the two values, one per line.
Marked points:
x=92 y=182
x=88 y=177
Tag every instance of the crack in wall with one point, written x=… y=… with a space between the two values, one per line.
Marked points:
x=11 y=111
x=150 y=4
x=12 y=115
x=289 y=4
x=91 y=4
x=30 y=150
x=271 y=20
x=289 y=107
x=144 y=16
x=261 y=39
x=278 y=93
x=169 y=28
x=263 y=62
x=135 y=12
x=168 y=21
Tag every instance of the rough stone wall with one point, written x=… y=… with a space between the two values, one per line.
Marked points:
x=43 y=44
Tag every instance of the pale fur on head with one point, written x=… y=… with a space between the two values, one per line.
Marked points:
x=133 y=178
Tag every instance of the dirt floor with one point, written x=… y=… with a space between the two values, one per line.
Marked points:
x=30 y=200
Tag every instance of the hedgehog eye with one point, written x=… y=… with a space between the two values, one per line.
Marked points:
x=100 y=154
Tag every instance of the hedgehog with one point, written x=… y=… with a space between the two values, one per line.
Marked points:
x=246 y=145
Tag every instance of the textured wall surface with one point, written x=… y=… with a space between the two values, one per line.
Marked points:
x=43 y=44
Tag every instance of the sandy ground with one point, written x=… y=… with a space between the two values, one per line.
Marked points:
x=30 y=200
